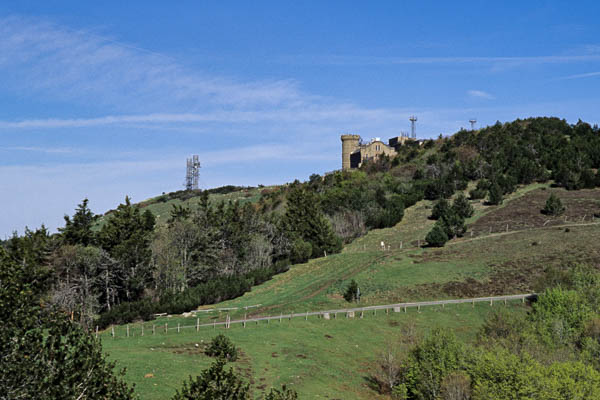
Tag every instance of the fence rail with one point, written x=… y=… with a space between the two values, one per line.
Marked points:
x=348 y=312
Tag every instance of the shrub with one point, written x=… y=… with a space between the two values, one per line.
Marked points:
x=437 y=237
x=222 y=347
x=462 y=207
x=477 y=194
x=553 y=206
x=284 y=394
x=495 y=194
x=214 y=383
x=440 y=209
x=351 y=293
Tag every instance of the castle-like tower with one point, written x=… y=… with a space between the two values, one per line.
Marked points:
x=350 y=143
x=355 y=152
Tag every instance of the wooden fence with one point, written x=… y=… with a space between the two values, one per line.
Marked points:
x=328 y=314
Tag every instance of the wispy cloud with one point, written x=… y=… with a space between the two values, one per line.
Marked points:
x=375 y=60
x=480 y=94
x=43 y=57
x=580 y=76
x=33 y=149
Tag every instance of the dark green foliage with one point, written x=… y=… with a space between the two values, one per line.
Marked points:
x=304 y=220
x=214 y=383
x=462 y=207
x=126 y=237
x=284 y=394
x=211 y=292
x=79 y=229
x=440 y=209
x=222 y=347
x=351 y=293
x=437 y=236
x=43 y=355
x=553 y=206
x=453 y=224
x=495 y=194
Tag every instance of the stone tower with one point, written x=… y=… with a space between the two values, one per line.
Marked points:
x=349 y=144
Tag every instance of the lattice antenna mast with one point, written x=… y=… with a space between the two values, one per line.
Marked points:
x=192 y=173
x=473 y=122
x=413 y=127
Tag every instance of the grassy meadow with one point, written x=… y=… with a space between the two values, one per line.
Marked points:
x=333 y=359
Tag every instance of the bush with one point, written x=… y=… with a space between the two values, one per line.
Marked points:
x=351 y=293
x=440 y=209
x=477 y=194
x=214 y=383
x=222 y=347
x=462 y=207
x=495 y=195
x=437 y=236
x=553 y=206
x=283 y=394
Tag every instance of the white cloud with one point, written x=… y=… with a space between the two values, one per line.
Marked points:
x=374 y=60
x=580 y=76
x=480 y=94
x=48 y=59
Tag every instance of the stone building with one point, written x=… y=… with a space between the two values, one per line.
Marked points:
x=355 y=151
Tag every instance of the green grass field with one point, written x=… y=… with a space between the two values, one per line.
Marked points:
x=318 y=358
x=319 y=366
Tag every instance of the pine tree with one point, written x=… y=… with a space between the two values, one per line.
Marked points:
x=437 y=236
x=214 y=383
x=79 y=229
x=462 y=207
x=440 y=209
x=553 y=206
x=495 y=194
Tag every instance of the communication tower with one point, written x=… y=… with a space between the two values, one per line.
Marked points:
x=473 y=122
x=413 y=128
x=192 y=173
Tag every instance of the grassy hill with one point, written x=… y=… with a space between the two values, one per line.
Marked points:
x=506 y=250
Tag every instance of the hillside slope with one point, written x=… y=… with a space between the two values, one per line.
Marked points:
x=333 y=358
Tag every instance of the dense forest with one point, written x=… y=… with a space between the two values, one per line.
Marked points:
x=129 y=267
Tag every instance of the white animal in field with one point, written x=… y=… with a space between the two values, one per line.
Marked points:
x=382 y=245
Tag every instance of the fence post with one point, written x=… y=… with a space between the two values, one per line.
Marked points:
x=404 y=309
x=142 y=329
x=127 y=330
x=166 y=328
x=491 y=302
x=419 y=308
x=178 y=327
x=306 y=317
x=473 y=304
x=197 y=324
x=280 y=316
x=96 y=331
x=506 y=227
x=504 y=301
x=112 y=331
x=401 y=245
x=153 y=329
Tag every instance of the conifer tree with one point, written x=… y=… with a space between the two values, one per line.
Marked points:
x=553 y=206
x=79 y=229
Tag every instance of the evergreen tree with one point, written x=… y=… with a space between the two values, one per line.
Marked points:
x=79 y=229
x=437 y=236
x=126 y=237
x=351 y=293
x=462 y=207
x=43 y=355
x=303 y=219
x=441 y=208
x=495 y=194
x=215 y=383
x=553 y=206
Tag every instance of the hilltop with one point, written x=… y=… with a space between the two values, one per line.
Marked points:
x=508 y=209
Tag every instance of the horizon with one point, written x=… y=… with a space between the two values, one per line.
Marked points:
x=103 y=101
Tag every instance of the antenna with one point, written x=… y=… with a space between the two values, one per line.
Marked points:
x=192 y=173
x=413 y=130
x=473 y=122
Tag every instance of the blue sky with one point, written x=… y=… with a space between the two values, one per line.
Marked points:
x=107 y=99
